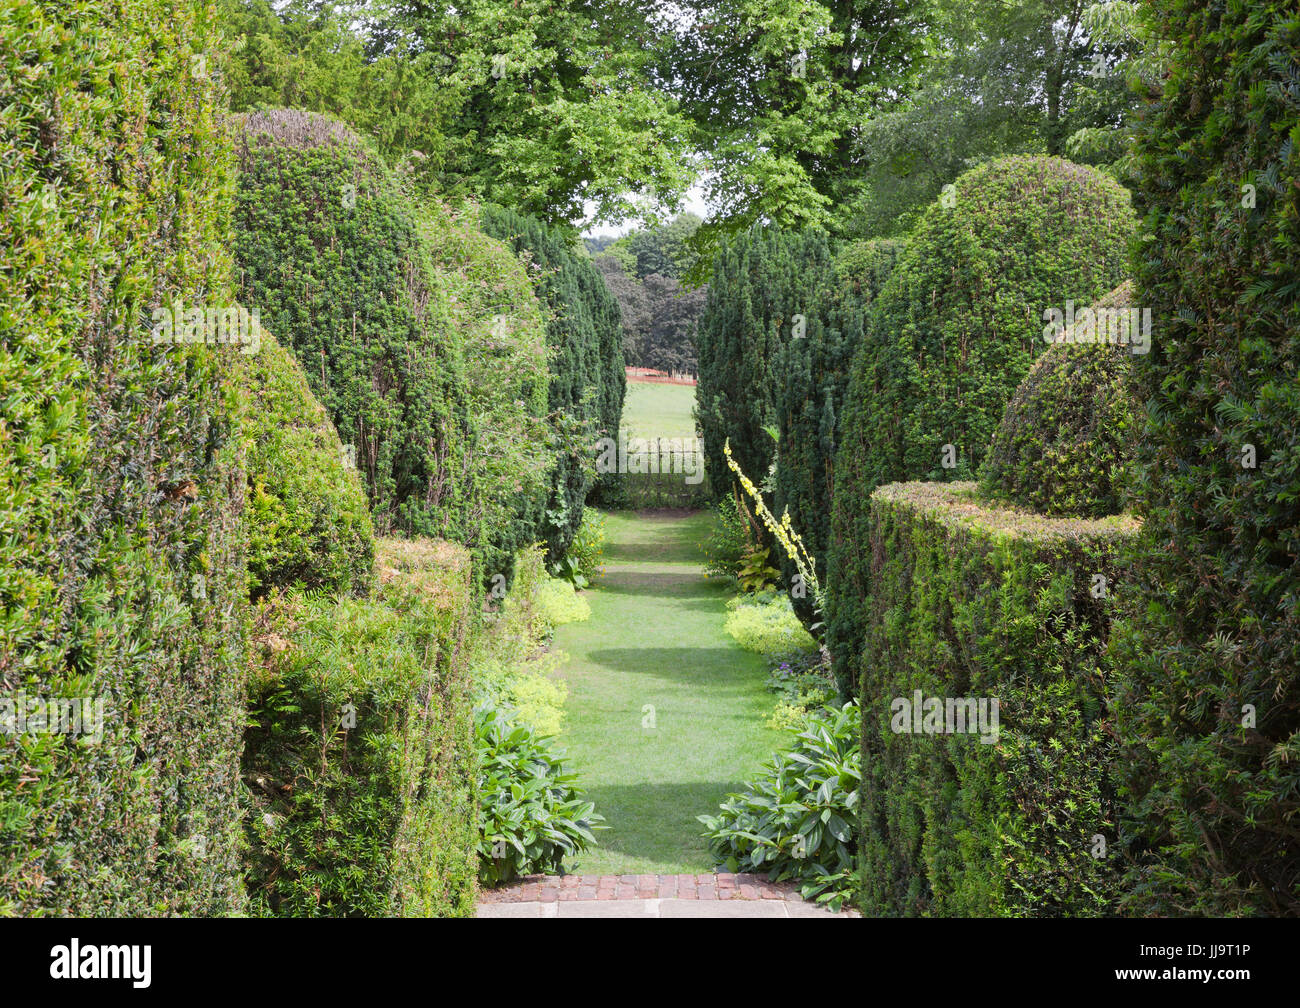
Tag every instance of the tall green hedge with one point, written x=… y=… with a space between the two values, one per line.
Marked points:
x=587 y=377
x=762 y=279
x=308 y=521
x=951 y=335
x=122 y=574
x=811 y=375
x=425 y=346
x=359 y=762
x=981 y=602
x=1209 y=707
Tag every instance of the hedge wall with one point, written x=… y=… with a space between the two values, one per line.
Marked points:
x=971 y=601
x=761 y=280
x=587 y=377
x=811 y=376
x=308 y=521
x=952 y=333
x=1209 y=708
x=122 y=577
x=442 y=399
x=359 y=764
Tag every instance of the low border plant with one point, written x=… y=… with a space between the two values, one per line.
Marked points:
x=797 y=819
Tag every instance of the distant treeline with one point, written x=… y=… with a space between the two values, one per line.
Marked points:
x=647 y=271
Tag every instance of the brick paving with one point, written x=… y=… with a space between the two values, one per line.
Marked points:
x=708 y=895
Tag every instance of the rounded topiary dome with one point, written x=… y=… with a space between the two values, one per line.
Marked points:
x=308 y=521
x=1065 y=439
x=952 y=333
x=421 y=336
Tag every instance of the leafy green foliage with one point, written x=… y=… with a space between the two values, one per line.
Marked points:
x=582 y=564
x=812 y=376
x=804 y=683
x=1212 y=633
x=1066 y=438
x=952 y=333
x=756 y=572
x=970 y=601
x=122 y=575
x=358 y=757
x=541 y=106
x=778 y=91
x=762 y=621
x=731 y=538
x=308 y=521
x=797 y=818
x=587 y=377
x=664 y=250
x=513 y=664
x=420 y=336
x=531 y=812
x=761 y=281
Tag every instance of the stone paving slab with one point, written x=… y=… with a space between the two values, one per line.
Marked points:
x=640 y=896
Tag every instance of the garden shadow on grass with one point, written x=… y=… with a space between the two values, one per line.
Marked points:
x=689 y=665
x=656 y=818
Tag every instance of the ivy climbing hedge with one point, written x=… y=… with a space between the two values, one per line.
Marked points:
x=359 y=762
x=952 y=333
x=978 y=601
x=122 y=574
x=587 y=377
x=1209 y=706
x=424 y=343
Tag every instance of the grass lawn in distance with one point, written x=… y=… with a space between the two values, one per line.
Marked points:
x=656 y=639
x=657 y=409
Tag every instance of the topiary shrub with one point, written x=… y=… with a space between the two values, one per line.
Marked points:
x=122 y=575
x=1209 y=701
x=308 y=521
x=1066 y=437
x=972 y=809
x=358 y=762
x=952 y=333
x=420 y=337
x=587 y=377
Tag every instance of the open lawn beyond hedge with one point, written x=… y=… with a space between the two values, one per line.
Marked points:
x=656 y=639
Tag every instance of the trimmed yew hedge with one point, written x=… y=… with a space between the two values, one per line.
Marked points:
x=761 y=280
x=811 y=377
x=951 y=335
x=1209 y=707
x=971 y=600
x=359 y=762
x=1065 y=443
x=587 y=377
x=308 y=521
x=122 y=573
x=421 y=337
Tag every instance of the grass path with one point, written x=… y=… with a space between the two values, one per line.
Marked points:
x=656 y=638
